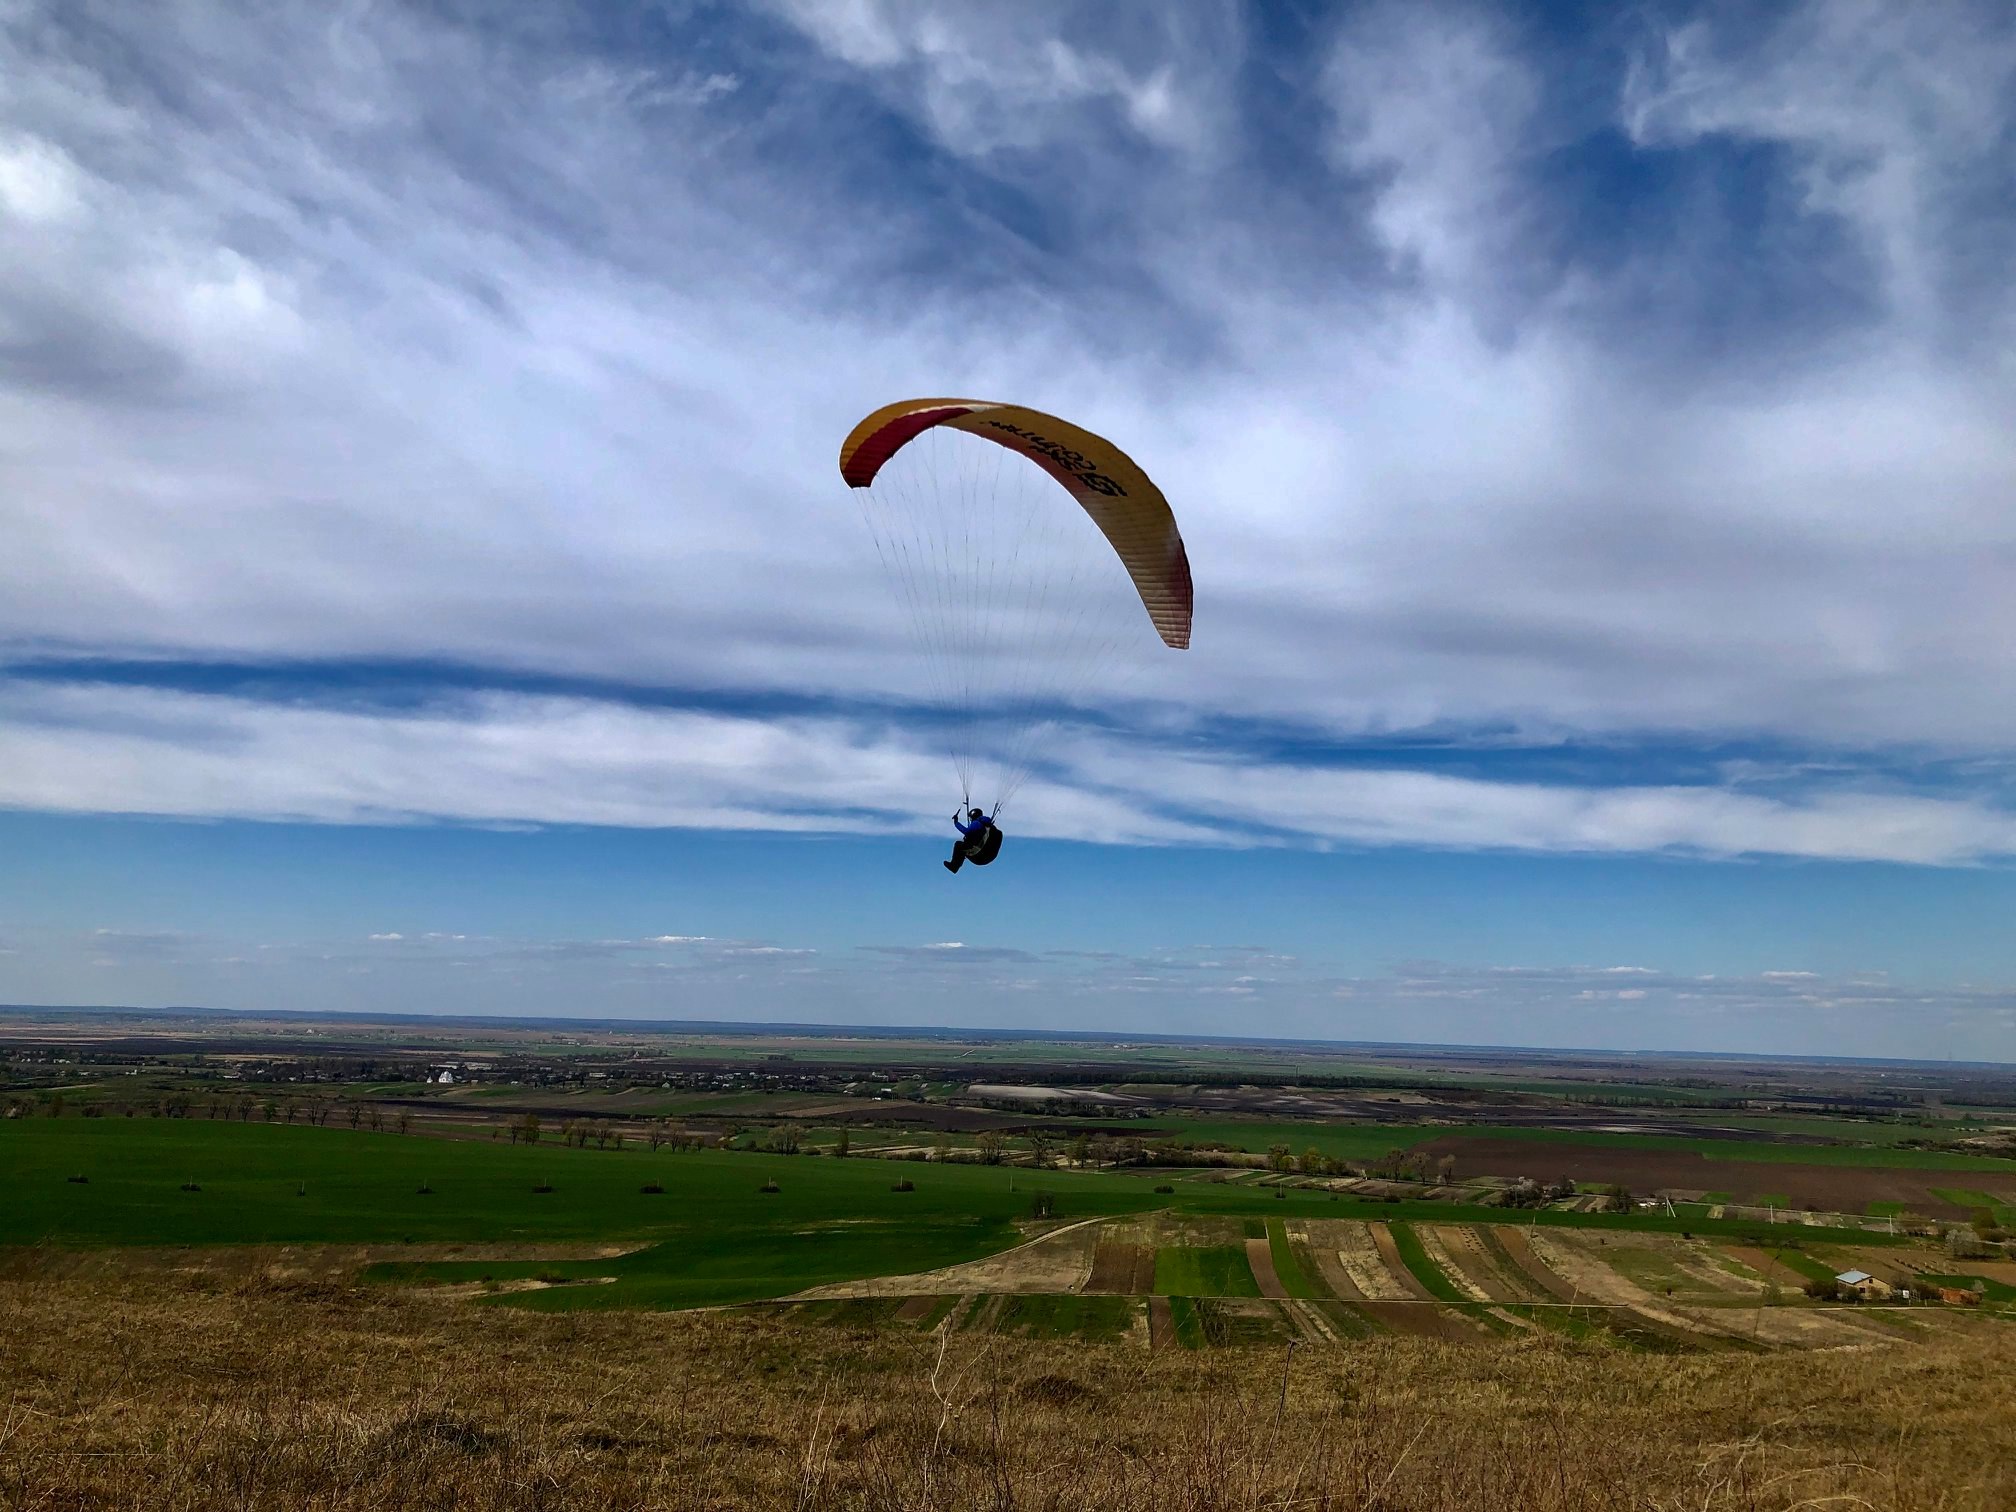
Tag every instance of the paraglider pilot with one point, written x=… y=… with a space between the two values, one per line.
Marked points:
x=979 y=841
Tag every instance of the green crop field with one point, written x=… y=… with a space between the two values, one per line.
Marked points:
x=1188 y=1323
x=710 y=1236
x=1207 y=1270
x=1050 y=1315
x=1287 y=1265
x=1968 y=1197
x=1424 y=1269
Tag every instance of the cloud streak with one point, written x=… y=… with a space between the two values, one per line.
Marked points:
x=502 y=759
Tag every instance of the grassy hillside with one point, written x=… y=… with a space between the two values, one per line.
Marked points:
x=161 y=1393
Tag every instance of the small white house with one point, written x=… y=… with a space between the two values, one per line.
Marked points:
x=1863 y=1285
x=446 y=1078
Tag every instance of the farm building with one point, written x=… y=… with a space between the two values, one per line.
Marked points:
x=1863 y=1285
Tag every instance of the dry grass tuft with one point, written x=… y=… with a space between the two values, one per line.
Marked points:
x=161 y=1392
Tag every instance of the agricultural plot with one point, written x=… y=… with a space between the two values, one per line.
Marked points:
x=1066 y=1316
x=1216 y=1270
x=1351 y=1142
x=1474 y=1258
x=1060 y=1261
x=1122 y=1268
x=1290 y=1262
x=1584 y=1263
x=573 y=1229
x=1359 y=1258
x=1829 y=1179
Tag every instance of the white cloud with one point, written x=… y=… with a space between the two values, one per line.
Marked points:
x=502 y=759
x=1896 y=116
x=556 y=392
x=1431 y=102
x=1009 y=73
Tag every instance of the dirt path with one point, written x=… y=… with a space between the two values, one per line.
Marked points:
x=1260 y=1256
x=1059 y=1261
x=1161 y=1324
x=915 y=1309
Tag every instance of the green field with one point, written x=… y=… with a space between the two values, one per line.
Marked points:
x=1287 y=1265
x=1993 y=1291
x=1204 y=1270
x=711 y=1236
x=1055 y=1315
x=1188 y=1322
x=1424 y=1269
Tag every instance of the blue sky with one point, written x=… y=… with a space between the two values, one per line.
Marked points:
x=427 y=585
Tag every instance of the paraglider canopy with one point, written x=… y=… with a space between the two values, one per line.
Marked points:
x=1126 y=506
x=1016 y=610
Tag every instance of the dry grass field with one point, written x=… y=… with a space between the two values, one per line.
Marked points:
x=201 y=1391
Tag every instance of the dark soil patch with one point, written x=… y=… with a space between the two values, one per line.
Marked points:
x=1261 y=1259
x=1125 y=1269
x=1161 y=1324
x=1834 y=1189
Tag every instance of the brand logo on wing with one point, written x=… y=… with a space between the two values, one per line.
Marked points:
x=1076 y=463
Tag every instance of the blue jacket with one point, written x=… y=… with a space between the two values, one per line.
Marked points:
x=970 y=829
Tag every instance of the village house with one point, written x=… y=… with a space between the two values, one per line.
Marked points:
x=1863 y=1286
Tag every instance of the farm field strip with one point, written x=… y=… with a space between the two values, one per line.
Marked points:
x=1359 y=1253
x=1289 y=1262
x=1440 y=1254
x=1401 y=1253
x=1793 y=1326
x=1260 y=1260
x=1727 y=1151
x=1122 y=1268
x=1215 y=1270
x=1463 y=1253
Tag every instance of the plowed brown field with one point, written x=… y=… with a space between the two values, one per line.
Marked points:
x=1125 y=1269
x=1840 y=1189
x=1261 y=1259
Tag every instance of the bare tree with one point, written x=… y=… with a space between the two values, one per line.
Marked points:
x=990 y=1142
